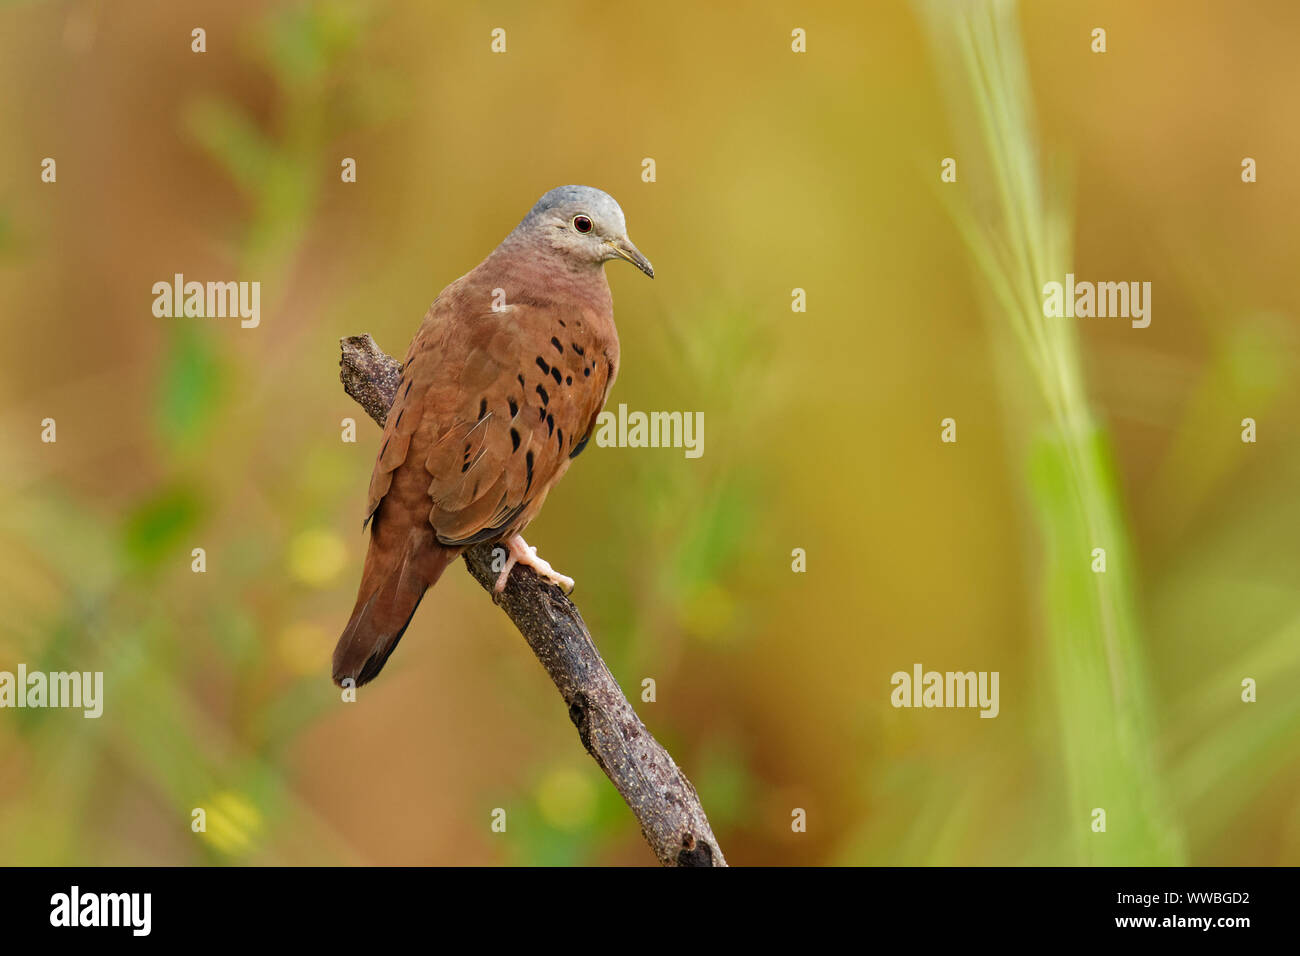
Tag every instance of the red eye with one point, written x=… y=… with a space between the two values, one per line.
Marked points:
x=582 y=224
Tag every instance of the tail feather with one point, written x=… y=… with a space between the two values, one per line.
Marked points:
x=389 y=594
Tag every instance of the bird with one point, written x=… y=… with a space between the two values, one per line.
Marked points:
x=499 y=393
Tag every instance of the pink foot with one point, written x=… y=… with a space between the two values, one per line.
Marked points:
x=518 y=551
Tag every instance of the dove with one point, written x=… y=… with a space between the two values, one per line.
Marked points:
x=500 y=391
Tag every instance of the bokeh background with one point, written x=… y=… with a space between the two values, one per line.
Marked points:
x=775 y=170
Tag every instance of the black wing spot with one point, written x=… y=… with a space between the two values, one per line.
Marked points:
x=568 y=380
x=550 y=424
x=514 y=407
x=563 y=324
x=577 y=450
x=385 y=448
x=555 y=374
x=541 y=363
x=482 y=408
x=399 y=418
x=528 y=461
x=522 y=384
x=558 y=347
x=546 y=399
x=586 y=372
x=408 y=388
x=514 y=439
x=559 y=435
x=578 y=348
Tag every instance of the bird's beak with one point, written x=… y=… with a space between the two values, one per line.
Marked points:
x=624 y=249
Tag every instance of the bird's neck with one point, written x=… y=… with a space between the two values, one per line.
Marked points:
x=525 y=266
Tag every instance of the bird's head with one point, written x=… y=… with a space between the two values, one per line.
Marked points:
x=584 y=225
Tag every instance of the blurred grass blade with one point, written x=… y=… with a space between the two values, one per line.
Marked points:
x=1017 y=243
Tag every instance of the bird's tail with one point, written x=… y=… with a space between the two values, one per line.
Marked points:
x=392 y=584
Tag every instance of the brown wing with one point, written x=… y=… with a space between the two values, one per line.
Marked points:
x=492 y=407
x=405 y=413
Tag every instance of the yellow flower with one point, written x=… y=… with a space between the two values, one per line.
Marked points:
x=566 y=798
x=316 y=556
x=232 y=824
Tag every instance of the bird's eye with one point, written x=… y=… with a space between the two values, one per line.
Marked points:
x=582 y=224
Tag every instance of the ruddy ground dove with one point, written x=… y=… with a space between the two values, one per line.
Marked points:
x=499 y=393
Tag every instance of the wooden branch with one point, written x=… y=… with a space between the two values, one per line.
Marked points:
x=658 y=793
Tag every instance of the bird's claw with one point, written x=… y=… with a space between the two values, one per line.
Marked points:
x=519 y=551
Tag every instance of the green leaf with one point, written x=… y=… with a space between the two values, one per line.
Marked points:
x=159 y=528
